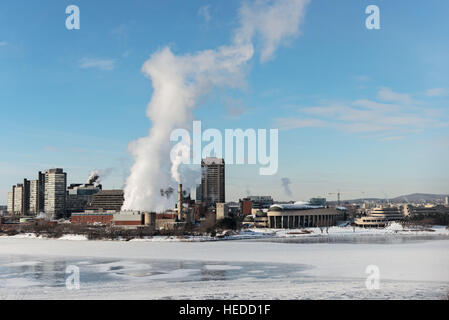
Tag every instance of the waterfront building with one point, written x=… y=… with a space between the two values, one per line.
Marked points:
x=301 y=215
x=380 y=217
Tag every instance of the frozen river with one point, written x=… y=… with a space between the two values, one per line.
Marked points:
x=409 y=268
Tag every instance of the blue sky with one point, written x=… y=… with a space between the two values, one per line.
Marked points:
x=361 y=111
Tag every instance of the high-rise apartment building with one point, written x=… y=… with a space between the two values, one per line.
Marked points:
x=55 y=193
x=18 y=202
x=213 y=181
x=34 y=197
x=10 y=202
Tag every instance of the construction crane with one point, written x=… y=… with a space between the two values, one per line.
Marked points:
x=339 y=195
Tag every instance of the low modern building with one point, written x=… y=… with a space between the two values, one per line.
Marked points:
x=300 y=215
x=92 y=217
x=380 y=217
x=424 y=210
x=245 y=207
x=222 y=211
x=125 y=219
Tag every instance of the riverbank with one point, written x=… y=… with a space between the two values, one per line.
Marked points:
x=263 y=233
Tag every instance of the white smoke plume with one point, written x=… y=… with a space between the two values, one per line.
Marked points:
x=96 y=176
x=179 y=81
x=285 y=182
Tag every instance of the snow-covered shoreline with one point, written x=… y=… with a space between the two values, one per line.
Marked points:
x=395 y=229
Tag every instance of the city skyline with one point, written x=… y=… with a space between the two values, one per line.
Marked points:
x=360 y=111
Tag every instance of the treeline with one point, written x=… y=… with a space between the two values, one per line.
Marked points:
x=441 y=219
x=105 y=232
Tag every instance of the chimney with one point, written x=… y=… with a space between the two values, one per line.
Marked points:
x=180 y=202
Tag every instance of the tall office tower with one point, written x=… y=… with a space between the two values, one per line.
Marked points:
x=213 y=181
x=447 y=200
x=55 y=193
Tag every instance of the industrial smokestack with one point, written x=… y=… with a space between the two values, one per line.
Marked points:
x=179 y=202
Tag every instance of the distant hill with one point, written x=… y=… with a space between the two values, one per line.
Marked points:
x=420 y=197
x=414 y=197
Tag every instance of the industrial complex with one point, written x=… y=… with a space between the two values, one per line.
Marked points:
x=48 y=197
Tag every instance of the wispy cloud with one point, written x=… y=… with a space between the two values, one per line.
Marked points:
x=102 y=64
x=386 y=94
x=51 y=149
x=437 y=92
x=392 y=138
x=234 y=107
x=296 y=123
x=3 y=43
x=362 y=78
x=204 y=12
x=402 y=115
x=274 y=24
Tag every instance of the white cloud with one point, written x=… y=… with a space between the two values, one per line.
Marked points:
x=102 y=64
x=295 y=123
x=437 y=92
x=392 y=119
x=362 y=78
x=3 y=43
x=274 y=24
x=204 y=12
x=392 y=138
x=386 y=94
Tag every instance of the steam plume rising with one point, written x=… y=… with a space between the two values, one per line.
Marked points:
x=178 y=82
x=95 y=176
x=286 y=185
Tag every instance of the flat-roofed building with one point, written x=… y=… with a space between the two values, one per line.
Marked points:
x=300 y=215
x=79 y=196
x=380 y=217
x=107 y=200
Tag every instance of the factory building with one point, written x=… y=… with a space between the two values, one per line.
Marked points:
x=55 y=193
x=92 y=217
x=79 y=196
x=122 y=219
x=301 y=215
x=107 y=200
x=213 y=181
